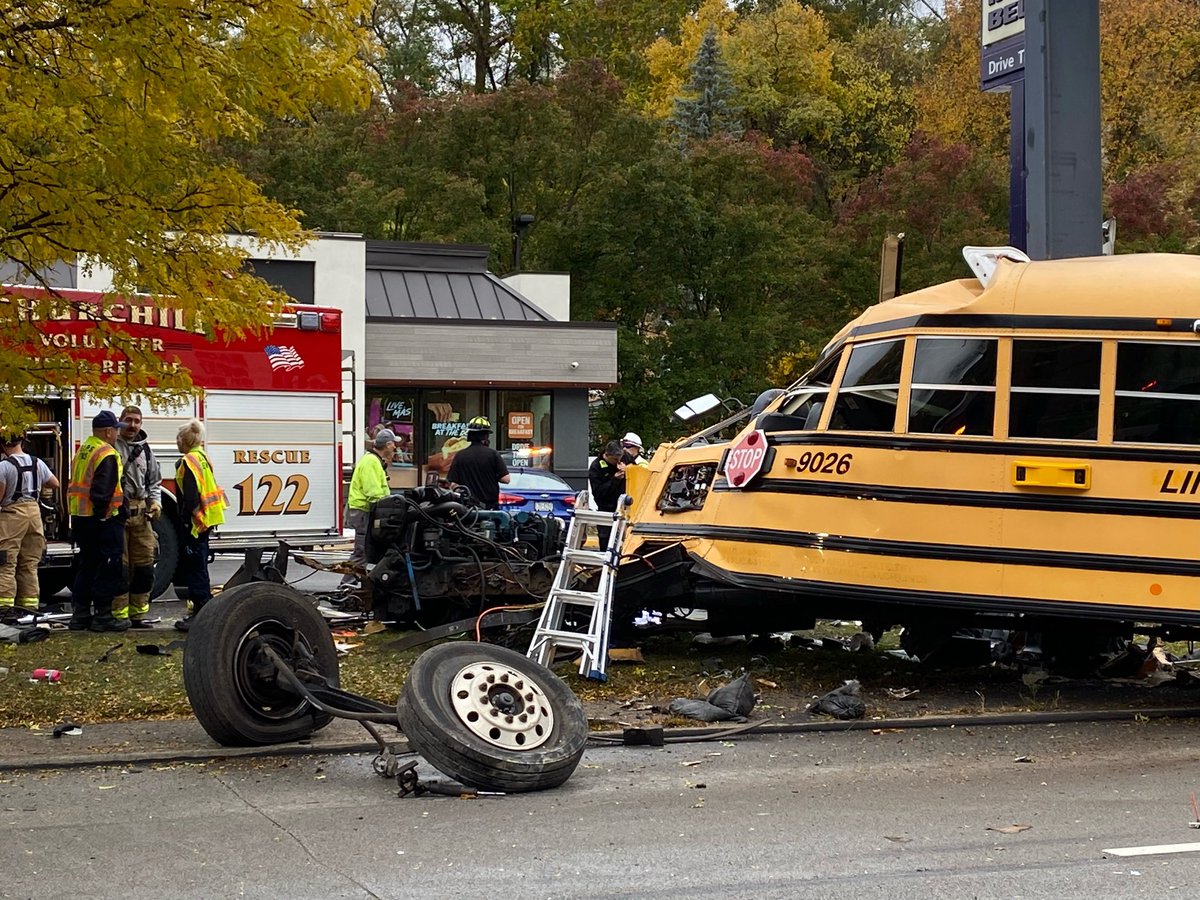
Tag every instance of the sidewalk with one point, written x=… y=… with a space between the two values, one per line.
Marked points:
x=174 y=740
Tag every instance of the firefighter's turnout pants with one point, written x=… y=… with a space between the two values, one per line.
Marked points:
x=141 y=550
x=98 y=573
x=22 y=544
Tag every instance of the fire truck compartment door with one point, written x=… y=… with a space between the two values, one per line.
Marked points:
x=276 y=456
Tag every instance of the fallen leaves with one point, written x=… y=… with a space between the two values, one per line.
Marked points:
x=1009 y=829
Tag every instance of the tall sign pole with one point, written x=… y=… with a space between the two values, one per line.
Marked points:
x=1050 y=65
x=1062 y=129
x=1002 y=69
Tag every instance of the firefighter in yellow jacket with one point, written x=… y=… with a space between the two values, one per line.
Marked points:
x=97 y=509
x=201 y=504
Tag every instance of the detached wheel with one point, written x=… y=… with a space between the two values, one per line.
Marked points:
x=491 y=718
x=168 y=556
x=232 y=685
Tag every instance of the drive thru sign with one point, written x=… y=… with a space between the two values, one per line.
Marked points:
x=745 y=459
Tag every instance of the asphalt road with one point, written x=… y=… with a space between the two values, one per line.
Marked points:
x=854 y=814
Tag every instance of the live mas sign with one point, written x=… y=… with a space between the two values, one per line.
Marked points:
x=746 y=459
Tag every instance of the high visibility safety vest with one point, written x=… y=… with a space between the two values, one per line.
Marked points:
x=92 y=452
x=211 y=511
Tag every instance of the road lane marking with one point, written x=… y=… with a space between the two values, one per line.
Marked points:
x=1153 y=850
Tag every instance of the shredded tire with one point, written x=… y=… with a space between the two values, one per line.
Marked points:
x=436 y=730
x=232 y=686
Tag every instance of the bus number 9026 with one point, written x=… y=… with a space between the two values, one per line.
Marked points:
x=272 y=503
x=823 y=463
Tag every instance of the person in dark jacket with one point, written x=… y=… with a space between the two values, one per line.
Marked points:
x=478 y=466
x=96 y=504
x=606 y=483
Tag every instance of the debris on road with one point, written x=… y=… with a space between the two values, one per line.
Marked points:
x=1009 y=829
x=844 y=702
x=731 y=702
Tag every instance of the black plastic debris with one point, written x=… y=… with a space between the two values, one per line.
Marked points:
x=843 y=702
x=643 y=737
x=730 y=702
x=159 y=649
x=107 y=654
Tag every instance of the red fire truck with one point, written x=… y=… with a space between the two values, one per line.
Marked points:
x=271 y=406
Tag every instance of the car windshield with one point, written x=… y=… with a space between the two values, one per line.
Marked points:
x=536 y=481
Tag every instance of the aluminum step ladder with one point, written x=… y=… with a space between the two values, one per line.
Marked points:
x=566 y=597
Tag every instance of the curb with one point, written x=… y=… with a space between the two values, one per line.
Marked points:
x=134 y=756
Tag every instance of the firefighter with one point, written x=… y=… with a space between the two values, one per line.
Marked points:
x=368 y=484
x=633 y=454
x=141 y=484
x=96 y=505
x=22 y=541
x=478 y=466
x=606 y=484
x=201 y=507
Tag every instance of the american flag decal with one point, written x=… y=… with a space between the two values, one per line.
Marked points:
x=284 y=357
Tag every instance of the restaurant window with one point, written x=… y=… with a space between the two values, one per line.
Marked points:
x=1055 y=389
x=953 y=386
x=1158 y=394
x=524 y=429
x=444 y=417
x=866 y=399
x=396 y=409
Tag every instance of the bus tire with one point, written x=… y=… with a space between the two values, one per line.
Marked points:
x=441 y=718
x=168 y=556
x=52 y=579
x=231 y=684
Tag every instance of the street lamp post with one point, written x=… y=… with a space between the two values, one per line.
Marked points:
x=520 y=225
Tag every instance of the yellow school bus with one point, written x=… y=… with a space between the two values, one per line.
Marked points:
x=1021 y=446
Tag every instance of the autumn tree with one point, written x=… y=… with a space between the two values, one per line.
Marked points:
x=113 y=113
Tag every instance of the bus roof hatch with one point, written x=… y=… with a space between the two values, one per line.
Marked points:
x=982 y=260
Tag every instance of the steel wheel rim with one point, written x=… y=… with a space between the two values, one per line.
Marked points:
x=255 y=677
x=502 y=706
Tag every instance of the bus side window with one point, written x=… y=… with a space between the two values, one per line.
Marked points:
x=866 y=400
x=953 y=386
x=801 y=411
x=1158 y=393
x=1055 y=389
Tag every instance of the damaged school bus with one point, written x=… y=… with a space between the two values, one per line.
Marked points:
x=1020 y=449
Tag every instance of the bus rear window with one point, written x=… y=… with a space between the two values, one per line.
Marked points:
x=1158 y=394
x=1055 y=390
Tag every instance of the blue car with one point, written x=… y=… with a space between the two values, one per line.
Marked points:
x=537 y=491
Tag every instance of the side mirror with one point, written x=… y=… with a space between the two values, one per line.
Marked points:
x=697 y=407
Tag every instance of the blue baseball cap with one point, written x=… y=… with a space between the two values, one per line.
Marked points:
x=105 y=419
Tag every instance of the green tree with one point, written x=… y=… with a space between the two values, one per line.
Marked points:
x=707 y=107
x=113 y=113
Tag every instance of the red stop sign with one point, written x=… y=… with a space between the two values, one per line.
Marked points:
x=746 y=458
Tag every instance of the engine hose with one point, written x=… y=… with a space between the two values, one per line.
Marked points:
x=412 y=581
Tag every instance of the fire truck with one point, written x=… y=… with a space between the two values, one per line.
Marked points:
x=270 y=404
